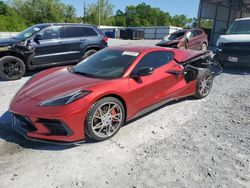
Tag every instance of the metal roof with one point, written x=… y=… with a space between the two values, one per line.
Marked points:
x=235 y=3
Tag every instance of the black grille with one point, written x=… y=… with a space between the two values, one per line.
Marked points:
x=237 y=48
x=25 y=123
x=55 y=127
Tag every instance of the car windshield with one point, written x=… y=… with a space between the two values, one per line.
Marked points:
x=106 y=64
x=239 y=27
x=28 y=32
x=176 y=35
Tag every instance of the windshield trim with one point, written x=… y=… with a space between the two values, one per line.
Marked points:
x=41 y=27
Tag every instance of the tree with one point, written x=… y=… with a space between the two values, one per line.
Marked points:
x=120 y=19
x=37 y=11
x=3 y=8
x=106 y=13
x=181 y=21
x=144 y=15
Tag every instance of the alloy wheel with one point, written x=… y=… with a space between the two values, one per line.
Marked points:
x=205 y=84
x=107 y=119
x=12 y=68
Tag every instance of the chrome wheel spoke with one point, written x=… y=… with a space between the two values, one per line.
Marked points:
x=107 y=119
x=98 y=126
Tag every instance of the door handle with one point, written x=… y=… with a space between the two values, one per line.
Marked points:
x=82 y=39
x=174 y=72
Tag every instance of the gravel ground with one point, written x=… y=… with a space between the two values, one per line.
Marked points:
x=187 y=143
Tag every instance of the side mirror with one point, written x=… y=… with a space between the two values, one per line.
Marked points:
x=188 y=35
x=37 y=38
x=145 y=71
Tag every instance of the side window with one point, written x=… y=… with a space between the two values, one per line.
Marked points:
x=71 y=32
x=50 y=33
x=87 y=31
x=155 y=60
x=196 y=33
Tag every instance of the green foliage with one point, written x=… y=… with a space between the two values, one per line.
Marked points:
x=106 y=13
x=181 y=21
x=12 y=23
x=145 y=15
x=206 y=23
x=16 y=15
x=37 y=11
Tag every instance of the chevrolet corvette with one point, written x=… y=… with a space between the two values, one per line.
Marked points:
x=94 y=98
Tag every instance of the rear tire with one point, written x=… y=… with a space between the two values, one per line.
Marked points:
x=204 y=83
x=89 y=53
x=11 y=68
x=104 y=119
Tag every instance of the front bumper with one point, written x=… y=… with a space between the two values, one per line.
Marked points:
x=234 y=58
x=25 y=133
x=234 y=53
x=61 y=124
x=47 y=130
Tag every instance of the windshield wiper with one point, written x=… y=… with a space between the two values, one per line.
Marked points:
x=86 y=74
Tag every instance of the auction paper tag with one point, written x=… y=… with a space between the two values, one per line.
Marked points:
x=130 y=53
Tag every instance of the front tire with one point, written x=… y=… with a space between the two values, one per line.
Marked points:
x=11 y=68
x=204 y=83
x=104 y=119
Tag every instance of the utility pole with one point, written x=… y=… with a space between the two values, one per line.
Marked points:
x=99 y=14
x=84 y=12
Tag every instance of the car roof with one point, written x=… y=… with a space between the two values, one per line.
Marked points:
x=180 y=56
x=248 y=18
x=64 y=24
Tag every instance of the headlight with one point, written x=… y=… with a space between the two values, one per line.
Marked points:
x=65 y=99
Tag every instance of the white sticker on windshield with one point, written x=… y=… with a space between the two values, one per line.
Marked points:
x=130 y=53
x=36 y=29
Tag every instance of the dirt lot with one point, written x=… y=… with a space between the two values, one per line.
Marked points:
x=188 y=143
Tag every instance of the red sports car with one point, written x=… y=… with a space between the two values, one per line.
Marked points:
x=95 y=97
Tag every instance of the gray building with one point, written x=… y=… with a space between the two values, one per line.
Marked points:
x=220 y=14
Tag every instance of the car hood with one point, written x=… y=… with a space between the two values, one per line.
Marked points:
x=233 y=38
x=8 y=42
x=49 y=85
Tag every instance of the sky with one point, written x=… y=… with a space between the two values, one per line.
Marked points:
x=187 y=7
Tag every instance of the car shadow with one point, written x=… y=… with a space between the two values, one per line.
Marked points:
x=236 y=69
x=9 y=135
x=158 y=108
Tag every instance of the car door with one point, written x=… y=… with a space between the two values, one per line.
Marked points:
x=150 y=90
x=74 y=41
x=194 y=42
x=49 y=50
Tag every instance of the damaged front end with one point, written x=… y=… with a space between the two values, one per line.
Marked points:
x=20 y=50
x=194 y=64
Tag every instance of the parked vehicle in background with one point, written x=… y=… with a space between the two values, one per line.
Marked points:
x=46 y=45
x=193 y=39
x=234 y=45
x=131 y=34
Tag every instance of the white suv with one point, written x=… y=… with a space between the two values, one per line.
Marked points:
x=234 y=45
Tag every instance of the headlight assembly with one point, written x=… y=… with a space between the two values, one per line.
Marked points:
x=65 y=99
